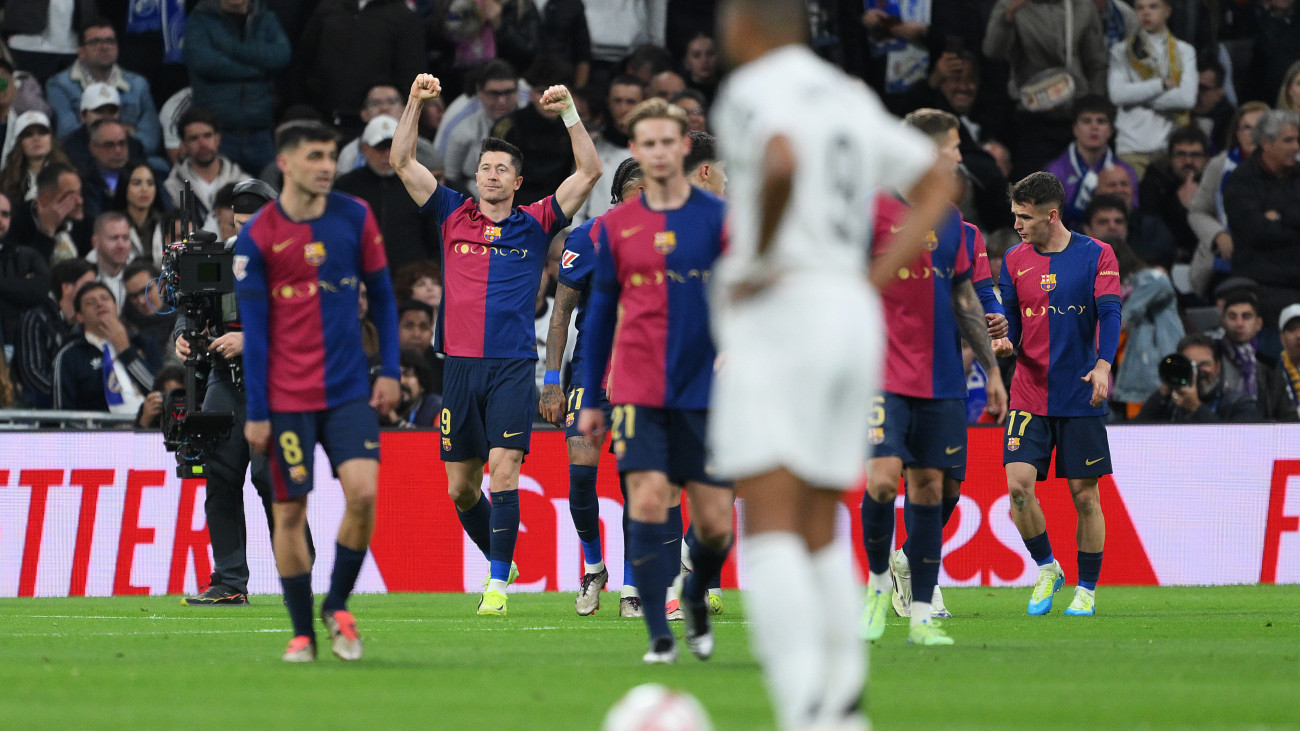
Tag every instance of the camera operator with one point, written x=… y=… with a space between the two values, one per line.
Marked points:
x=230 y=459
x=1192 y=390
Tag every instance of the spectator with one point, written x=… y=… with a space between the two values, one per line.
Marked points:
x=1206 y=399
x=419 y=406
x=140 y=196
x=1150 y=237
x=232 y=49
x=1149 y=316
x=168 y=116
x=144 y=310
x=24 y=280
x=223 y=212
x=665 y=85
x=103 y=367
x=700 y=64
x=647 y=61
x=7 y=391
x=385 y=99
x=1171 y=183
x=408 y=236
x=504 y=29
x=540 y=135
x=693 y=103
x=168 y=379
x=497 y=91
x=45 y=32
x=1213 y=112
x=1262 y=200
x=625 y=92
x=420 y=281
x=99 y=102
x=108 y=157
x=97 y=63
x=1288 y=325
x=564 y=33
x=1288 y=96
x=625 y=29
x=1153 y=80
x=1245 y=369
x=1206 y=215
x=415 y=332
x=1277 y=46
x=202 y=165
x=34 y=149
x=348 y=47
x=1080 y=166
x=46 y=327
x=430 y=123
x=19 y=94
x=54 y=223
x=111 y=253
x=1031 y=36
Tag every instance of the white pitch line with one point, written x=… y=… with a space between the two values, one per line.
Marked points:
x=138 y=634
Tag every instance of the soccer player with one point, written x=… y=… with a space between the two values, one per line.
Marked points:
x=805 y=146
x=648 y=309
x=493 y=255
x=299 y=265
x=919 y=423
x=1061 y=292
x=572 y=293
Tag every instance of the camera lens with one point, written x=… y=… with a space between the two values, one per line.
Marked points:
x=1177 y=371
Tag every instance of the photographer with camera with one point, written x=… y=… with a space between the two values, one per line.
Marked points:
x=1192 y=390
x=229 y=459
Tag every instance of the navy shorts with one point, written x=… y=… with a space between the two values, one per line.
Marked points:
x=926 y=433
x=486 y=403
x=579 y=399
x=671 y=441
x=1082 y=449
x=349 y=431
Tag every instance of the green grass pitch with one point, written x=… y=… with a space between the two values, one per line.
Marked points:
x=1226 y=657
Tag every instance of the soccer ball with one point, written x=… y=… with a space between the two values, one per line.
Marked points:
x=655 y=707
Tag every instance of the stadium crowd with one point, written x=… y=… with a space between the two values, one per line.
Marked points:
x=1172 y=124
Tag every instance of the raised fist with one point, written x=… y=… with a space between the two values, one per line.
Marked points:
x=556 y=99
x=425 y=87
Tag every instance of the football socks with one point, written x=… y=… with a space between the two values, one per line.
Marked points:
x=1041 y=549
x=877 y=532
x=505 y=529
x=477 y=524
x=1089 y=569
x=347 y=565
x=298 y=598
x=654 y=569
x=584 y=506
x=926 y=535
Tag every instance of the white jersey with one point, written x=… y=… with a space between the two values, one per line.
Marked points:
x=845 y=144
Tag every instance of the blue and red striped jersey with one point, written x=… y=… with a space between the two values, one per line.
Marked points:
x=981 y=274
x=577 y=262
x=1063 y=309
x=298 y=284
x=490 y=274
x=648 y=317
x=923 y=359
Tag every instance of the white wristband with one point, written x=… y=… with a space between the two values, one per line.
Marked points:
x=570 y=115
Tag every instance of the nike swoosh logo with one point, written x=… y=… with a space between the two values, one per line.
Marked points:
x=1092 y=462
x=1021 y=272
x=508 y=434
x=371 y=445
x=929 y=560
x=629 y=231
x=642 y=561
x=951 y=450
x=498 y=530
x=277 y=248
x=894 y=229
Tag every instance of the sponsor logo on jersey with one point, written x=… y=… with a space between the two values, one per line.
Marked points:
x=637 y=279
x=314 y=253
x=1055 y=310
x=241 y=267
x=481 y=250
x=1108 y=273
x=931 y=240
x=1048 y=282
x=295 y=291
x=491 y=233
x=665 y=242
x=298 y=474
x=1013 y=443
x=567 y=258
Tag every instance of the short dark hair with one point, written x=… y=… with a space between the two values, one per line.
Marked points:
x=291 y=134
x=783 y=18
x=408 y=274
x=197 y=115
x=1038 y=189
x=225 y=196
x=625 y=80
x=648 y=54
x=416 y=361
x=496 y=70
x=1198 y=339
x=1104 y=202
x=168 y=373
x=693 y=94
x=704 y=149
x=108 y=217
x=86 y=289
x=1209 y=61
x=1241 y=295
x=93 y=24
x=68 y=272
x=1095 y=104
x=494 y=144
x=415 y=305
x=138 y=266
x=933 y=123
x=628 y=172
x=48 y=178
x=1188 y=135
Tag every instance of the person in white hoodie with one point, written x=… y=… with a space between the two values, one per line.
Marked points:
x=1153 y=81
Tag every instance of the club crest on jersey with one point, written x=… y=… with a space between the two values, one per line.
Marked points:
x=298 y=474
x=240 y=267
x=567 y=258
x=665 y=242
x=931 y=240
x=1013 y=443
x=1048 y=282
x=568 y=420
x=314 y=253
x=877 y=436
x=446 y=444
x=491 y=233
